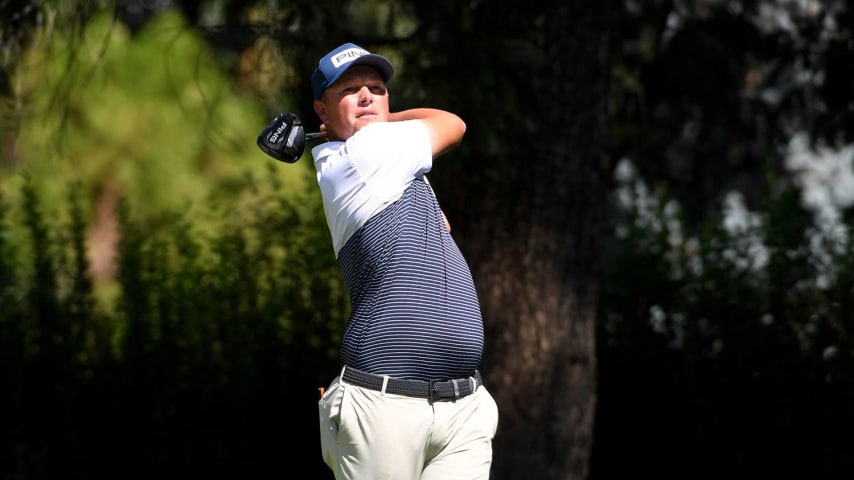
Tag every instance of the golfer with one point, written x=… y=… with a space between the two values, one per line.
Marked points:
x=409 y=402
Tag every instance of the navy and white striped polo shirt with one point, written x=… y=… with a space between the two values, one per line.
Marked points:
x=414 y=309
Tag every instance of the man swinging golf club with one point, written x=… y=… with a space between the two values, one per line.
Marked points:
x=409 y=402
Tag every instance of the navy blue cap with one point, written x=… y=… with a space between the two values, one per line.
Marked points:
x=335 y=63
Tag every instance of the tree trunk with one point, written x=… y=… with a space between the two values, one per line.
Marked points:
x=536 y=250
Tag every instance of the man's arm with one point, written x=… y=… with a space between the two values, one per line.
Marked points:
x=446 y=129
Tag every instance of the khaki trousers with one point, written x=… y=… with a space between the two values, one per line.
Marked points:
x=371 y=435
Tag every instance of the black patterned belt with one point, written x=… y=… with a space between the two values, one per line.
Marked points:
x=433 y=390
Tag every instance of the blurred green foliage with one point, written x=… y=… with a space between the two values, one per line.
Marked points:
x=224 y=308
x=728 y=352
x=215 y=340
x=154 y=117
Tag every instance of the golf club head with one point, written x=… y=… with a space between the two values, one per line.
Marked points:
x=284 y=138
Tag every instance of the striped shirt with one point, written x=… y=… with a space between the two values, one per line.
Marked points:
x=414 y=309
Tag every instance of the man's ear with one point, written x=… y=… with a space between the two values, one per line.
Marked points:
x=320 y=110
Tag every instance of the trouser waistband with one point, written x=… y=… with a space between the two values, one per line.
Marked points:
x=432 y=390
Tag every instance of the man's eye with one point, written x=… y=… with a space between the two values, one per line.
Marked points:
x=378 y=90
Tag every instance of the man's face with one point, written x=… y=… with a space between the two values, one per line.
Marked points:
x=357 y=99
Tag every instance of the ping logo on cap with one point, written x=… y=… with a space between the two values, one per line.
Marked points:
x=335 y=63
x=347 y=56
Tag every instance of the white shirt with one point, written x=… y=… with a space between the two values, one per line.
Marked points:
x=358 y=178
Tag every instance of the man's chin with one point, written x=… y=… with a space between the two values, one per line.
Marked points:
x=367 y=120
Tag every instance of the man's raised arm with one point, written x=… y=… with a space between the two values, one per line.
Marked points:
x=446 y=129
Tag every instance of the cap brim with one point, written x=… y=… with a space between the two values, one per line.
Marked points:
x=376 y=61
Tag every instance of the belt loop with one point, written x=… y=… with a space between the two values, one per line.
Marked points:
x=473 y=384
x=385 y=383
x=341 y=375
x=456 y=388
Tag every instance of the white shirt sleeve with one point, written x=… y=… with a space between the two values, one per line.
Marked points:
x=360 y=177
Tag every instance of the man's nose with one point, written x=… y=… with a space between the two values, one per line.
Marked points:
x=364 y=96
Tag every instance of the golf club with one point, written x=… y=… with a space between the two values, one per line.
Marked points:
x=284 y=138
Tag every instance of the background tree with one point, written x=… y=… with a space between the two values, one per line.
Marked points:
x=528 y=203
x=735 y=116
x=711 y=94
